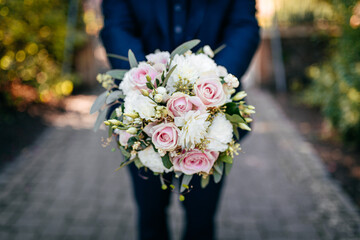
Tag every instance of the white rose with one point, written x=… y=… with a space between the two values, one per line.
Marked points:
x=144 y=106
x=194 y=129
x=152 y=160
x=220 y=133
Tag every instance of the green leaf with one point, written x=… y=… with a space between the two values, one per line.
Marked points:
x=166 y=161
x=112 y=55
x=232 y=108
x=113 y=96
x=168 y=75
x=236 y=131
x=124 y=152
x=235 y=118
x=149 y=85
x=228 y=167
x=98 y=103
x=125 y=163
x=99 y=120
x=184 y=47
x=185 y=181
x=225 y=158
x=216 y=51
x=205 y=181
x=110 y=131
x=132 y=59
x=138 y=163
x=117 y=73
x=219 y=167
x=131 y=141
x=217 y=177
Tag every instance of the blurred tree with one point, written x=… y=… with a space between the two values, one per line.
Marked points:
x=336 y=83
x=32 y=36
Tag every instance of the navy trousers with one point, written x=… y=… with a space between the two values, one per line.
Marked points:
x=200 y=206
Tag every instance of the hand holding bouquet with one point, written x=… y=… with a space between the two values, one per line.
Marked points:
x=175 y=113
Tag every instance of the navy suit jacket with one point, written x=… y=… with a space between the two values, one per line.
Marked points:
x=143 y=27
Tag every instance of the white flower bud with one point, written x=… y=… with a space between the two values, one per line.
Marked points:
x=208 y=51
x=118 y=112
x=132 y=115
x=188 y=53
x=244 y=126
x=99 y=78
x=132 y=130
x=161 y=90
x=239 y=96
x=144 y=92
x=114 y=122
x=158 y=98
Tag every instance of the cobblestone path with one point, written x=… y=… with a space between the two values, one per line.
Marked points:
x=64 y=187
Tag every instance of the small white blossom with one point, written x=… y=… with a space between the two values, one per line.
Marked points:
x=208 y=51
x=118 y=112
x=161 y=90
x=231 y=81
x=158 y=98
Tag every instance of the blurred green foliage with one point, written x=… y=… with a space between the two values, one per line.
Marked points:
x=299 y=12
x=32 y=37
x=335 y=86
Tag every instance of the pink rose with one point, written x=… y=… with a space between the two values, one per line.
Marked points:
x=124 y=137
x=195 y=161
x=159 y=57
x=180 y=103
x=138 y=75
x=164 y=136
x=209 y=89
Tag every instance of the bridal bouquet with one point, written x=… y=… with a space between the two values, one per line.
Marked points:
x=175 y=113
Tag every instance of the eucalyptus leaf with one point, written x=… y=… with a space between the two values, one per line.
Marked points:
x=166 y=161
x=217 y=177
x=124 y=152
x=125 y=163
x=99 y=120
x=185 y=181
x=110 y=131
x=184 y=47
x=117 y=73
x=132 y=59
x=98 y=103
x=138 y=163
x=216 y=51
x=112 y=55
x=219 y=167
x=113 y=96
x=168 y=75
x=225 y=158
x=205 y=181
x=236 y=132
x=228 y=167
x=234 y=118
